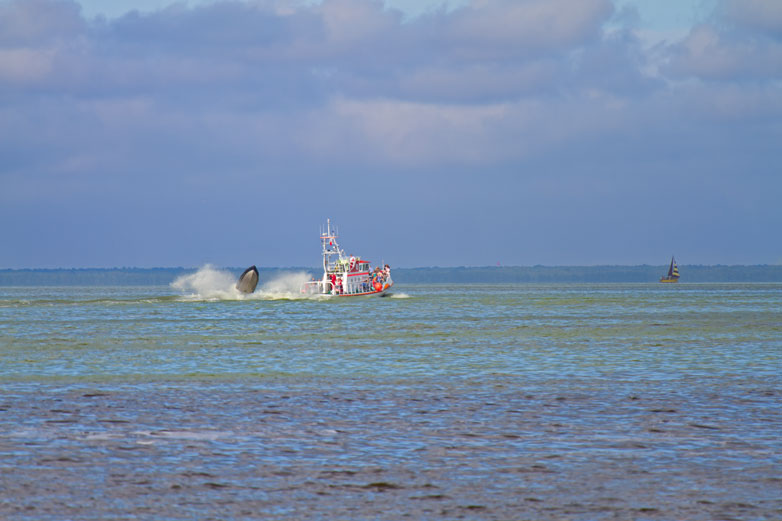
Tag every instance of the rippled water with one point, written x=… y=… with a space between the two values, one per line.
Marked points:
x=577 y=402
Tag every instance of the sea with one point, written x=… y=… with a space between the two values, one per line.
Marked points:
x=440 y=401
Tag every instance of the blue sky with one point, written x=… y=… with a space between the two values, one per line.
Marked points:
x=520 y=132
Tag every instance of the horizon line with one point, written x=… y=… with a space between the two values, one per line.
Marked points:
x=117 y=268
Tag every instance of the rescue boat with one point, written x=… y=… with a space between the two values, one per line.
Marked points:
x=346 y=275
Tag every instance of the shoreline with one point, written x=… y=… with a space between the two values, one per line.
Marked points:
x=126 y=276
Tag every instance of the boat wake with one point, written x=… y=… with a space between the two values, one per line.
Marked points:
x=286 y=286
x=212 y=284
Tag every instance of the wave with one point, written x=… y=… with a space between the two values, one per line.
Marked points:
x=285 y=286
x=210 y=283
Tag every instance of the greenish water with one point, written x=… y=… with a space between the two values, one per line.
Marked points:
x=528 y=401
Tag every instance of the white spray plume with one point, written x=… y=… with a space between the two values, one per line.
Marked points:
x=285 y=285
x=208 y=283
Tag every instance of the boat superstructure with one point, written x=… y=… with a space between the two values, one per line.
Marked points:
x=673 y=273
x=346 y=275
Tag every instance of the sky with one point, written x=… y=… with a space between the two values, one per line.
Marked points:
x=469 y=133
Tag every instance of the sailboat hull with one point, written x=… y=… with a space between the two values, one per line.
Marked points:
x=666 y=280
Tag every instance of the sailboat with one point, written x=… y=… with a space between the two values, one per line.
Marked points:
x=673 y=272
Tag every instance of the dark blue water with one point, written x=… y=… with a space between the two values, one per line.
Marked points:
x=558 y=402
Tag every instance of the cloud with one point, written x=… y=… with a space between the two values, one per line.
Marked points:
x=763 y=15
x=20 y=66
x=350 y=62
x=351 y=23
x=510 y=26
x=518 y=111
x=712 y=54
x=742 y=42
x=36 y=23
x=358 y=44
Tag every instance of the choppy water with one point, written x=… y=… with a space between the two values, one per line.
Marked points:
x=545 y=402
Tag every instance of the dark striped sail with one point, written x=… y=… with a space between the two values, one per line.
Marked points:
x=673 y=272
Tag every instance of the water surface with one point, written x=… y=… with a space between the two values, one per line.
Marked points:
x=569 y=401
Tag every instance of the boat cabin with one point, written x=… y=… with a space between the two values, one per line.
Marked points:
x=346 y=275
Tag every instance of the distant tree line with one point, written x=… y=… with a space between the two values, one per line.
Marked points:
x=541 y=274
x=113 y=276
x=488 y=274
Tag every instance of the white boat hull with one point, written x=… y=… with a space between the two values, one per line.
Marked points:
x=316 y=288
x=346 y=276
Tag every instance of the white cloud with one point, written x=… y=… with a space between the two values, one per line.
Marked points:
x=489 y=81
x=709 y=53
x=355 y=22
x=24 y=66
x=500 y=99
x=38 y=23
x=528 y=24
x=765 y=15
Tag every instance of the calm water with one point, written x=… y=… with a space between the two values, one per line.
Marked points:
x=540 y=402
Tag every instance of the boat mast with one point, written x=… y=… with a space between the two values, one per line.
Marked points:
x=328 y=241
